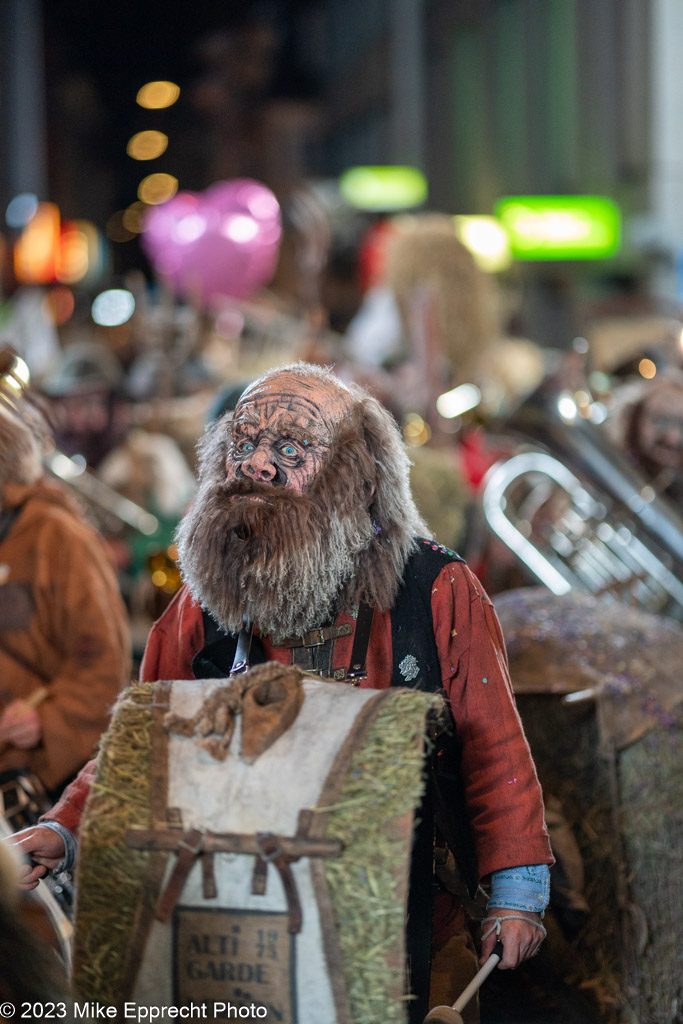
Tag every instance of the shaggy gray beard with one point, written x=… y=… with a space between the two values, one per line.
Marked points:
x=283 y=563
x=293 y=561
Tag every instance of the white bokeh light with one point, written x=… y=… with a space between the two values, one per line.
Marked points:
x=21 y=209
x=240 y=228
x=566 y=406
x=458 y=401
x=189 y=229
x=113 y=307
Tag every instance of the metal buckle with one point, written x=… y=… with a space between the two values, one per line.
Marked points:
x=306 y=642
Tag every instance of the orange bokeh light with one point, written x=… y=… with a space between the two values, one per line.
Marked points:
x=35 y=252
x=71 y=264
x=58 y=305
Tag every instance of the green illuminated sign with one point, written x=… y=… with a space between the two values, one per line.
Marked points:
x=383 y=188
x=560 y=227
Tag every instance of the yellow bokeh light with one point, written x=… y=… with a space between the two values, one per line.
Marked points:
x=647 y=369
x=147 y=145
x=159 y=578
x=415 y=431
x=117 y=230
x=157 y=95
x=132 y=217
x=157 y=188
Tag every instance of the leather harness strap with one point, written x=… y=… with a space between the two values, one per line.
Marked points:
x=188 y=849
x=361 y=640
x=314 y=651
x=317 y=637
x=281 y=851
x=271 y=853
x=316 y=659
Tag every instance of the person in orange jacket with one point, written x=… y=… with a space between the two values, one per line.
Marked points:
x=64 y=637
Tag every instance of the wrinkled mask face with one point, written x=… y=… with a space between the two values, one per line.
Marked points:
x=279 y=523
x=661 y=429
x=282 y=430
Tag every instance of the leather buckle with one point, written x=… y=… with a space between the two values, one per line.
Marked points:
x=310 y=642
x=264 y=839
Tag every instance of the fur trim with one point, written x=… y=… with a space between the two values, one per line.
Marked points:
x=20 y=451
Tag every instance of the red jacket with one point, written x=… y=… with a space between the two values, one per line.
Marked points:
x=501 y=789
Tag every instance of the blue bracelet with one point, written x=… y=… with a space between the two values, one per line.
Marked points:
x=70 y=845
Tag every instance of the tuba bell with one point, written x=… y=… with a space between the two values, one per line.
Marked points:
x=578 y=514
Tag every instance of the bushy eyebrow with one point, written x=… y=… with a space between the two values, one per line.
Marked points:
x=286 y=427
x=296 y=431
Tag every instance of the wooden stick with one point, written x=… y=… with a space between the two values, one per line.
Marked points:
x=34 y=698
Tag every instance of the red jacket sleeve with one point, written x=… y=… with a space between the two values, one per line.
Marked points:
x=173 y=641
x=502 y=793
x=69 y=808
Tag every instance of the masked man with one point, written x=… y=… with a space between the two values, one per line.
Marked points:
x=64 y=640
x=303 y=546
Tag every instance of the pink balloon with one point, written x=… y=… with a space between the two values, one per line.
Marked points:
x=219 y=243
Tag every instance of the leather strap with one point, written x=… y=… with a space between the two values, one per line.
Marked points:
x=259 y=876
x=317 y=637
x=315 y=659
x=271 y=852
x=361 y=639
x=209 y=889
x=188 y=849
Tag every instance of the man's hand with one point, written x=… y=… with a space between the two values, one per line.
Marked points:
x=20 y=725
x=521 y=939
x=44 y=847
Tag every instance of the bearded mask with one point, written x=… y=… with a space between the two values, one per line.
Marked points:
x=289 y=559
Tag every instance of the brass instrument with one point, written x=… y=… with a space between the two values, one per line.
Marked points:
x=579 y=515
x=111 y=506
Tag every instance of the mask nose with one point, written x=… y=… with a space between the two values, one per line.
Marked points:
x=259 y=466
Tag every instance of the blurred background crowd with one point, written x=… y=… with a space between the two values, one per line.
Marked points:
x=473 y=209
x=434 y=209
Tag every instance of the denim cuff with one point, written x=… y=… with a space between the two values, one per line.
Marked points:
x=522 y=888
x=70 y=845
